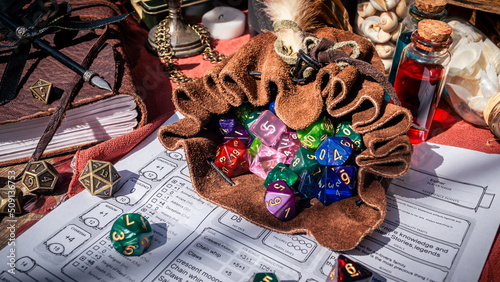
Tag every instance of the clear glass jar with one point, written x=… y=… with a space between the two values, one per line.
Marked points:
x=420 y=79
x=409 y=25
x=473 y=84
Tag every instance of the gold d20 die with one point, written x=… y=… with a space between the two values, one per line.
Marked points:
x=11 y=201
x=41 y=90
x=100 y=178
x=40 y=177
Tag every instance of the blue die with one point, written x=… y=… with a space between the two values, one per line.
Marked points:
x=334 y=151
x=331 y=187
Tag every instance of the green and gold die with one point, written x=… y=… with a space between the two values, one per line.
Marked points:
x=40 y=177
x=316 y=133
x=281 y=172
x=42 y=90
x=131 y=234
x=264 y=277
x=100 y=178
x=304 y=159
x=11 y=201
x=243 y=111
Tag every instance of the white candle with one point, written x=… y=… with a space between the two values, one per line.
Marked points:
x=224 y=22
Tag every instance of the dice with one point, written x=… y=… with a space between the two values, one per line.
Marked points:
x=304 y=159
x=281 y=172
x=254 y=148
x=348 y=175
x=331 y=187
x=288 y=144
x=226 y=125
x=334 y=151
x=314 y=134
x=232 y=157
x=344 y=129
x=131 y=234
x=252 y=117
x=40 y=177
x=100 y=178
x=347 y=270
x=280 y=200
x=243 y=111
x=11 y=201
x=264 y=277
x=42 y=91
x=272 y=107
x=265 y=160
x=241 y=133
x=308 y=185
x=268 y=127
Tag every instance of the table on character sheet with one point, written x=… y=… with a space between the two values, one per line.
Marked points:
x=441 y=218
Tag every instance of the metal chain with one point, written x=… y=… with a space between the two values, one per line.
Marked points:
x=208 y=53
x=166 y=52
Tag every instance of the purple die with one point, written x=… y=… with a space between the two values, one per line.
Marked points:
x=268 y=128
x=226 y=125
x=280 y=200
x=288 y=144
x=334 y=151
x=265 y=160
x=240 y=132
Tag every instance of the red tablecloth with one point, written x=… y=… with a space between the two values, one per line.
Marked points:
x=155 y=88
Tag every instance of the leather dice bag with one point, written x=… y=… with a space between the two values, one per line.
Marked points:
x=343 y=92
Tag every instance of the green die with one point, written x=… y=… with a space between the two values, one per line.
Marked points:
x=243 y=111
x=254 y=148
x=317 y=132
x=303 y=160
x=281 y=172
x=264 y=277
x=251 y=118
x=131 y=234
x=344 y=129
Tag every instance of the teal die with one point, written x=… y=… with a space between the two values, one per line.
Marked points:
x=131 y=234
x=281 y=172
x=251 y=119
x=303 y=160
x=344 y=129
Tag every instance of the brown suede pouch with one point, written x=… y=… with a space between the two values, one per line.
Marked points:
x=344 y=93
x=110 y=62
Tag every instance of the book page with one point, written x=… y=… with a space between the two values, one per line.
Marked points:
x=441 y=221
x=99 y=121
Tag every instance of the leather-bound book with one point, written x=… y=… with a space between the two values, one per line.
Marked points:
x=93 y=115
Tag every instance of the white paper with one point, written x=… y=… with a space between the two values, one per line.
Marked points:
x=441 y=221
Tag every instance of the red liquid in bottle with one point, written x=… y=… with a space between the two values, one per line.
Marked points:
x=418 y=87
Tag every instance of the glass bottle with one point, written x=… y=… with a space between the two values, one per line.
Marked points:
x=422 y=72
x=421 y=9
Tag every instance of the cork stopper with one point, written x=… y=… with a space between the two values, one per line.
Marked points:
x=430 y=6
x=434 y=31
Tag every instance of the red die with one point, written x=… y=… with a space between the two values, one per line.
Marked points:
x=232 y=157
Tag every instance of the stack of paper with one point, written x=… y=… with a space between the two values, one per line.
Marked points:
x=92 y=123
